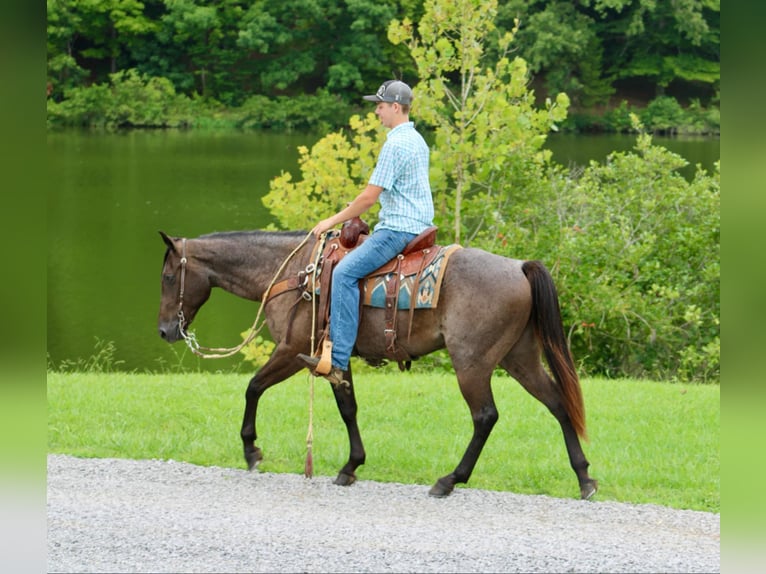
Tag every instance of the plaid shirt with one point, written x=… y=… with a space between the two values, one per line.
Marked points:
x=406 y=203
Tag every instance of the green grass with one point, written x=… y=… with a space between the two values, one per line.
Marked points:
x=649 y=442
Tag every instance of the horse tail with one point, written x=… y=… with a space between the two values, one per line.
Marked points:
x=546 y=316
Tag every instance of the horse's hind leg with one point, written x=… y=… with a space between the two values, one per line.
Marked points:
x=346 y=401
x=523 y=364
x=477 y=392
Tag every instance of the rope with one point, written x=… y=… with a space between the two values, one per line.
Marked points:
x=222 y=352
x=308 y=469
x=197 y=349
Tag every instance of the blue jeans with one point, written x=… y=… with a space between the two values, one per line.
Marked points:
x=379 y=248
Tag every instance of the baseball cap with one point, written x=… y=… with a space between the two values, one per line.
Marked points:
x=392 y=91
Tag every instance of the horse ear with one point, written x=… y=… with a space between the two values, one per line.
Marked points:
x=168 y=241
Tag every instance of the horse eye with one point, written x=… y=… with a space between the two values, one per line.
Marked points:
x=169 y=279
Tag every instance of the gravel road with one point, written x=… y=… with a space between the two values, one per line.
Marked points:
x=113 y=515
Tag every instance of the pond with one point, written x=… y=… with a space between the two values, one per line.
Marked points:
x=113 y=193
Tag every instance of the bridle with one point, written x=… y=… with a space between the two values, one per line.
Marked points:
x=219 y=353
x=190 y=338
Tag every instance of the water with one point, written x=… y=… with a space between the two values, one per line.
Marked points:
x=112 y=193
x=580 y=149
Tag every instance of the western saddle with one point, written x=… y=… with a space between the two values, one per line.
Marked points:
x=415 y=257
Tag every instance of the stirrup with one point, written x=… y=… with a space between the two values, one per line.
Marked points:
x=325 y=362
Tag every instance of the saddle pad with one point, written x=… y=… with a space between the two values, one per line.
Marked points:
x=427 y=296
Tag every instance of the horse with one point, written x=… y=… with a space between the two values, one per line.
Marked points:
x=492 y=311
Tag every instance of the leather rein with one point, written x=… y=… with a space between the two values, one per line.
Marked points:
x=221 y=352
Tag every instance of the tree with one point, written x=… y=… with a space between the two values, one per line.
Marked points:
x=333 y=172
x=661 y=41
x=560 y=43
x=99 y=32
x=488 y=133
x=589 y=47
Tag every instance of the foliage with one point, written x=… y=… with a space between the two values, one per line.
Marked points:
x=129 y=100
x=257 y=351
x=589 y=48
x=228 y=51
x=561 y=41
x=488 y=133
x=634 y=247
x=635 y=252
x=662 y=115
x=319 y=112
x=333 y=172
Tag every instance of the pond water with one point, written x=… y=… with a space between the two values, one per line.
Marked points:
x=112 y=193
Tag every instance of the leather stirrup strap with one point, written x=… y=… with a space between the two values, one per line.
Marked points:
x=325 y=287
x=414 y=292
x=392 y=307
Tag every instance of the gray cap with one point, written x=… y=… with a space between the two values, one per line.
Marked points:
x=392 y=91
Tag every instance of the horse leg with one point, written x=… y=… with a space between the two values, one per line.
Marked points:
x=523 y=364
x=477 y=392
x=279 y=367
x=346 y=401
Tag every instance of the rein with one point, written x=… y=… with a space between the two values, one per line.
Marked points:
x=222 y=352
x=191 y=340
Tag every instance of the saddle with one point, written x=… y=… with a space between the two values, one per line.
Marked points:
x=415 y=257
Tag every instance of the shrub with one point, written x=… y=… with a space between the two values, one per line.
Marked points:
x=663 y=115
x=319 y=112
x=638 y=267
x=129 y=100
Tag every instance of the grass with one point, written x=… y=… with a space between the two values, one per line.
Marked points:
x=649 y=442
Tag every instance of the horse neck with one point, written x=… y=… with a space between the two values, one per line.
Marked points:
x=245 y=263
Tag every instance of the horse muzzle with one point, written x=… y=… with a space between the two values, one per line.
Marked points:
x=170 y=331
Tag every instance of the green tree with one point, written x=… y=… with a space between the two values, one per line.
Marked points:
x=560 y=42
x=302 y=45
x=488 y=132
x=661 y=42
x=100 y=32
x=198 y=40
x=589 y=47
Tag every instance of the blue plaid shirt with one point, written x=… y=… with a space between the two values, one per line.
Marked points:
x=406 y=203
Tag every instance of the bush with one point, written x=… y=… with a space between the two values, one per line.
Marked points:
x=319 y=112
x=663 y=115
x=129 y=100
x=635 y=250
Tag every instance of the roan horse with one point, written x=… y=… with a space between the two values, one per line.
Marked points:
x=492 y=311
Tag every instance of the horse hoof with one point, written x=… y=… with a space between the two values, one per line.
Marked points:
x=588 y=489
x=344 y=479
x=253 y=457
x=441 y=489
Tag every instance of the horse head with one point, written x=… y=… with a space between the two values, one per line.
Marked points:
x=185 y=287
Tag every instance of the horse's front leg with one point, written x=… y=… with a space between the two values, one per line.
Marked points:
x=346 y=401
x=279 y=367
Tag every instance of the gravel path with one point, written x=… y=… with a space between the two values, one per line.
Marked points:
x=112 y=515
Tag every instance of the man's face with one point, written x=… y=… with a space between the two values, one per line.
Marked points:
x=387 y=113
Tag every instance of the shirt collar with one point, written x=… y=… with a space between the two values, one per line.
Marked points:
x=403 y=125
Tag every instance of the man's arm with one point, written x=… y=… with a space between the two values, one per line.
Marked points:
x=361 y=203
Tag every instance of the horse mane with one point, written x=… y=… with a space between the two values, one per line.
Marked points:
x=251 y=234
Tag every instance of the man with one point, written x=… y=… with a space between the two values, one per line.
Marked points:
x=400 y=182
